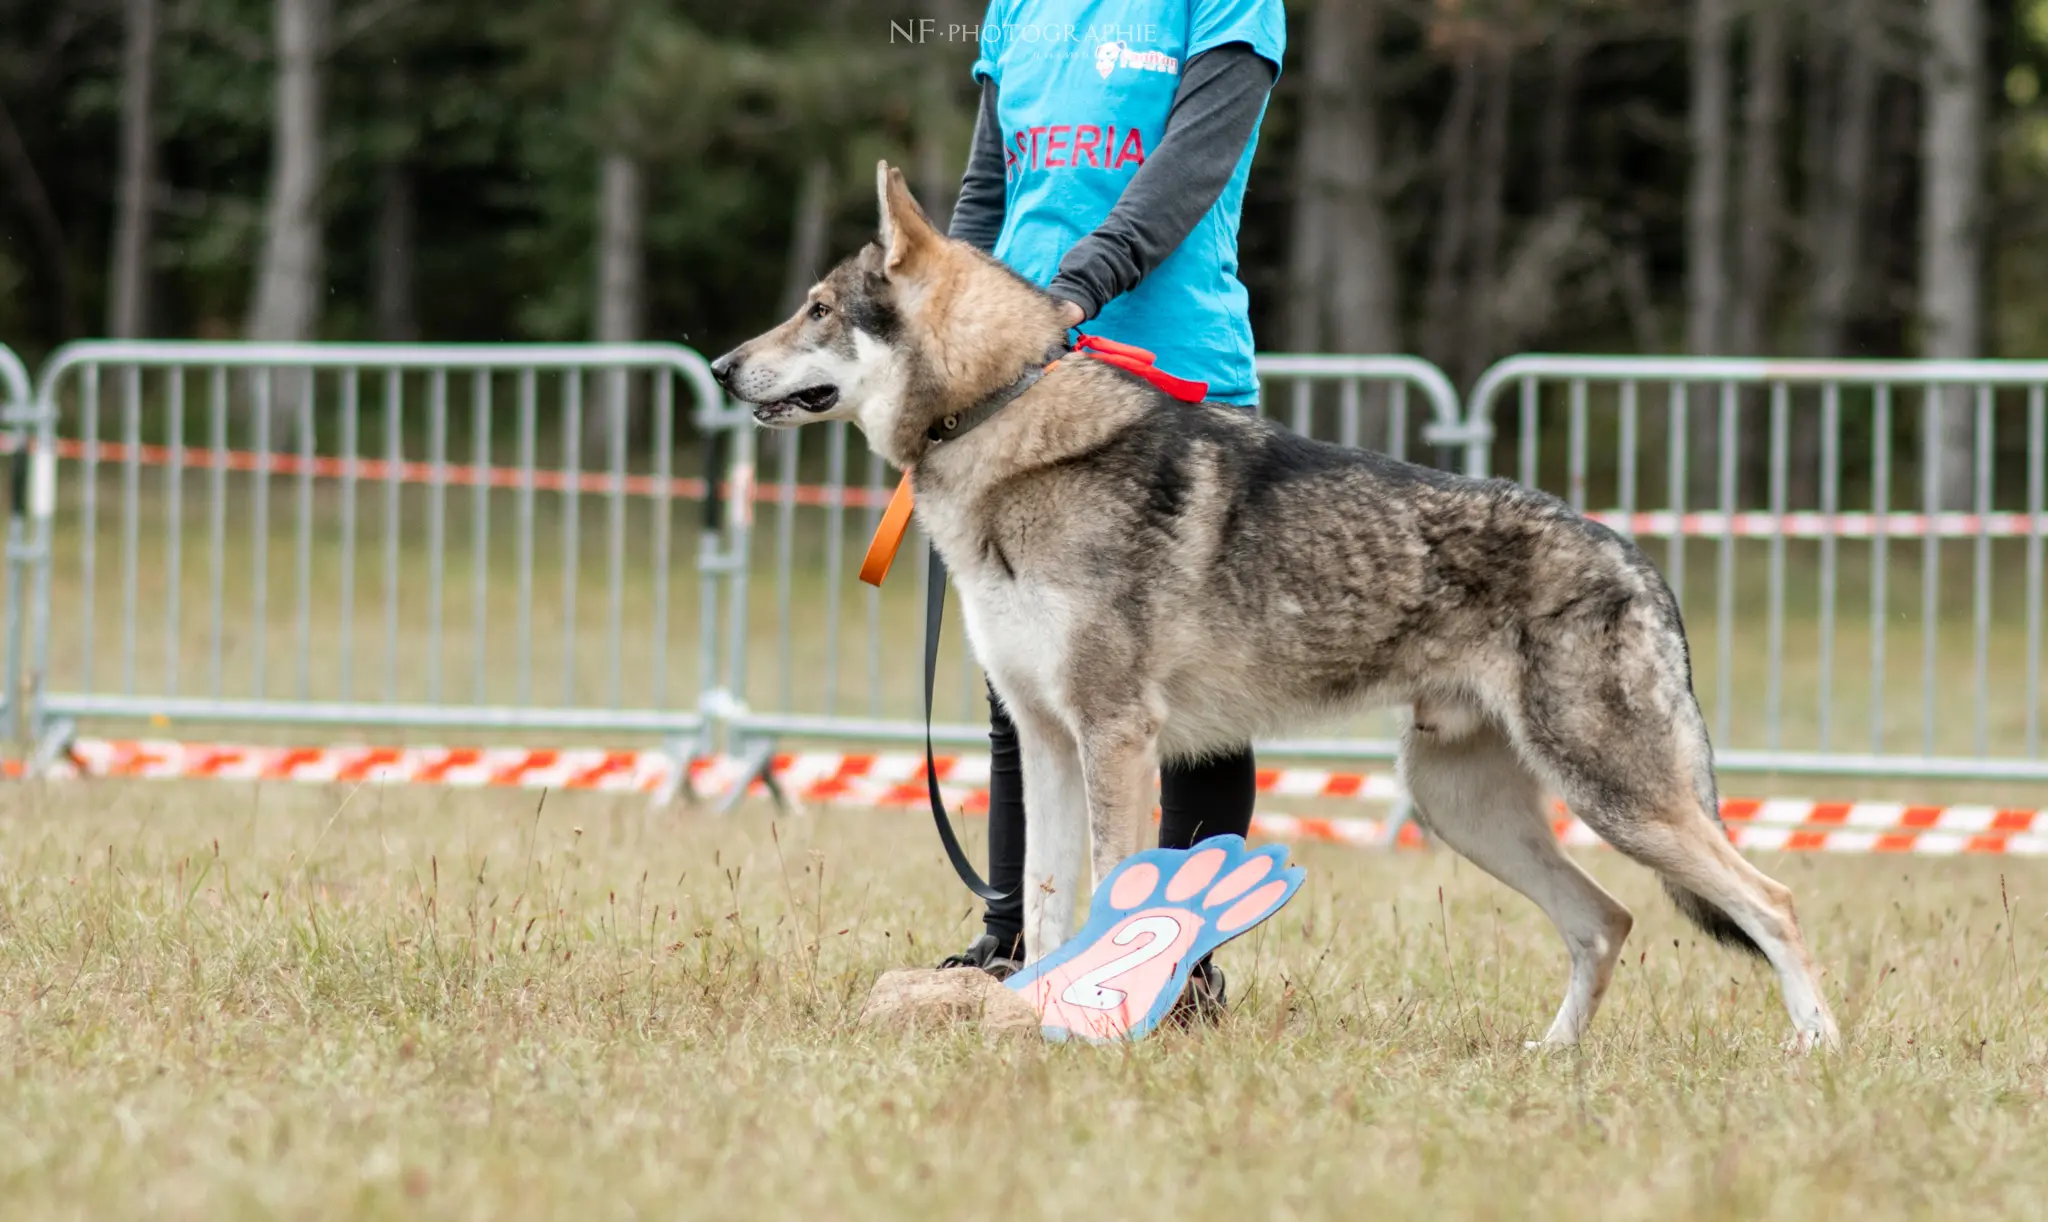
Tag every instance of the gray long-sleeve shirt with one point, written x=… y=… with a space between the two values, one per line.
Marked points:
x=1214 y=115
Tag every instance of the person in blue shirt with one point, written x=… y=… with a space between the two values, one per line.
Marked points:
x=1108 y=165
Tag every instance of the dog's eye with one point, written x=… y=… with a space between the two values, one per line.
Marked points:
x=818 y=310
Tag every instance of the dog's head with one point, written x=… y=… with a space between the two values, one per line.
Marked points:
x=913 y=326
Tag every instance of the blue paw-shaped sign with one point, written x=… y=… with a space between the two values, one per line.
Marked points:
x=1151 y=921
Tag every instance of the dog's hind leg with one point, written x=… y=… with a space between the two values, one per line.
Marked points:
x=1055 y=830
x=1724 y=894
x=1474 y=792
x=1651 y=795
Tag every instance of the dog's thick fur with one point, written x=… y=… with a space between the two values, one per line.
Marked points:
x=1144 y=579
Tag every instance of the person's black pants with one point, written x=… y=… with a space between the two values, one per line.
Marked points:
x=1197 y=801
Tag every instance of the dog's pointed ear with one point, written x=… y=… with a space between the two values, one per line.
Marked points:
x=905 y=229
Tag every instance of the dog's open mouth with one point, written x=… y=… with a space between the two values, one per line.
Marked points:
x=812 y=399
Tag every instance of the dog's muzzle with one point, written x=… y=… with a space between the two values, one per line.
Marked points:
x=811 y=400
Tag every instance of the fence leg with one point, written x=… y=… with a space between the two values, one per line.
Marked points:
x=1401 y=816
x=15 y=700
x=756 y=763
x=683 y=753
x=53 y=750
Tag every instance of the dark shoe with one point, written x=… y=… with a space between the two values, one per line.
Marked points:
x=999 y=958
x=1204 y=998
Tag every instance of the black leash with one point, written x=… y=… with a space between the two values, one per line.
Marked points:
x=951 y=428
x=934 y=613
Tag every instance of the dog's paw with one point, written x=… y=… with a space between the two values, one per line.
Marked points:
x=1806 y=1042
x=1152 y=919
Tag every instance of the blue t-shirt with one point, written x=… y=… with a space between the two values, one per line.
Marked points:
x=1083 y=88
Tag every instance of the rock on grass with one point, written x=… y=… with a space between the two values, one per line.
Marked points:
x=924 y=999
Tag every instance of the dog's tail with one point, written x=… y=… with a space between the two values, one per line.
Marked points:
x=1713 y=922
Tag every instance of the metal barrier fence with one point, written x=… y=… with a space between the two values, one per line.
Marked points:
x=1831 y=498
x=471 y=600
x=480 y=539
x=16 y=418
x=839 y=662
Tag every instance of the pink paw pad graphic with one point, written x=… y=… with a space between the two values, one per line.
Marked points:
x=1151 y=921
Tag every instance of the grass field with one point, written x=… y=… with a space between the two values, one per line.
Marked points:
x=219 y=1001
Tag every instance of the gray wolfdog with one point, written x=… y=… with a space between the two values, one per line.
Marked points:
x=1145 y=579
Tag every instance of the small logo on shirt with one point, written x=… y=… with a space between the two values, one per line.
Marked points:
x=1113 y=55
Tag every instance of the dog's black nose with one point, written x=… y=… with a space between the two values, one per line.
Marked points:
x=722 y=368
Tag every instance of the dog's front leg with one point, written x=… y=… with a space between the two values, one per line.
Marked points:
x=1055 y=831
x=1120 y=761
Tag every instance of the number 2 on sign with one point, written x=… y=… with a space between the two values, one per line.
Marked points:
x=1087 y=991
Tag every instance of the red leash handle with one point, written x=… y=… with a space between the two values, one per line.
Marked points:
x=1111 y=347
x=1132 y=359
x=1179 y=388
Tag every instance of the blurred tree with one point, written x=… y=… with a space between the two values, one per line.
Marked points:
x=1443 y=307
x=1761 y=192
x=286 y=303
x=394 y=280
x=1343 y=287
x=807 y=251
x=1954 y=81
x=2018 y=275
x=128 y=309
x=1706 y=237
x=1477 y=347
x=940 y=139
x=34 y=63
x=1842 y=80
x=1707 y=197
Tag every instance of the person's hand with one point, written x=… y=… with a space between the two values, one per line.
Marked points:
x=1071 y=315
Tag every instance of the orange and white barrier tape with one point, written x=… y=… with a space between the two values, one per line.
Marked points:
x=897 y=779
x=1758 y=524
x=158 y=759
